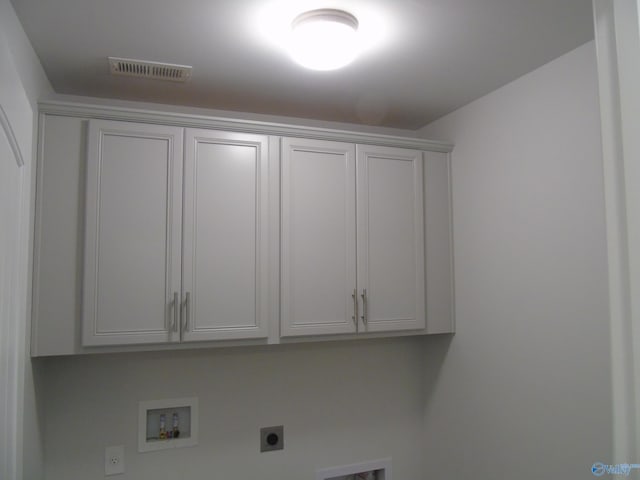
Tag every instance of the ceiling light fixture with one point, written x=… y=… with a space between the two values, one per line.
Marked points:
x=324 y=39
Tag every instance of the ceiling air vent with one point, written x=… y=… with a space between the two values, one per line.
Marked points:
x=154 y=70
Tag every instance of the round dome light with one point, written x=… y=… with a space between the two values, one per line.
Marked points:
x=324 y=39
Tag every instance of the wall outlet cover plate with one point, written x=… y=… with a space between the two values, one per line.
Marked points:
x=114 y=460
x=271 y=438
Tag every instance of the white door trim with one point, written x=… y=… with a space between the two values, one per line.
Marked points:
x=13 y=142
x=617 y=29
x=11 y=314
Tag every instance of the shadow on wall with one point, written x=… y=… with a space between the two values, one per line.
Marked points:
x=436 y=348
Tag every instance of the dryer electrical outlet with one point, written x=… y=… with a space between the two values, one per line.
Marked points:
x=271 y=438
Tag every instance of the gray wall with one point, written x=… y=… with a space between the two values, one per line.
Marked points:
x=524 y=391
x=340 y=403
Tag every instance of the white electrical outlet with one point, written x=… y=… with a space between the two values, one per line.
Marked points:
x=114 y=460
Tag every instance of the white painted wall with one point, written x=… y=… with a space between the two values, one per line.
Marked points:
x=524 y=391
x=340 y=403
x=22 y=82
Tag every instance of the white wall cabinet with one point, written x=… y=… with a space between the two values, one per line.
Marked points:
x=390 y=238
x=159 y=230
x=133 y=233
x=175 y=246
x=318 y=243
x=225 y=236
x=352 y=238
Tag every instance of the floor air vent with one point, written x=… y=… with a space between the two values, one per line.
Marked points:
x=154 y=70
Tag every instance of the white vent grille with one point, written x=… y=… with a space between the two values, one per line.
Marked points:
x=154 y=70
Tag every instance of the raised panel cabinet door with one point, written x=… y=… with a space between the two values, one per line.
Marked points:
x=225 y=237
x=133 y=233
x=390 y=239
x=318 y=237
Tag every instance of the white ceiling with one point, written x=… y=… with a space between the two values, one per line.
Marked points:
x=427 y=57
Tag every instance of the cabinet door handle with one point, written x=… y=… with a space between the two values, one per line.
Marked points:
x=354 y=295
x=187 y=311
x=365 y=315
x=176 y=307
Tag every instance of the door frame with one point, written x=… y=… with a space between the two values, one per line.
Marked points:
x=12 y=336
x=617 y=35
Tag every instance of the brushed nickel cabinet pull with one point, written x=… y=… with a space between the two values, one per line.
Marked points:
x=365 y=316
x=187 y=303
x=354 y=295
x=176 y=307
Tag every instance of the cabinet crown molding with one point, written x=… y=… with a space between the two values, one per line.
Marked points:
x=74 y=109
